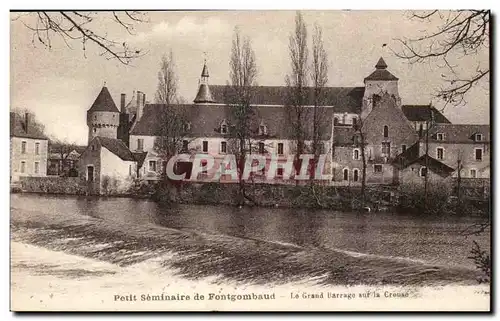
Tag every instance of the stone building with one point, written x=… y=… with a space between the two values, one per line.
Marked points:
x=370 y=119
x=28 y=147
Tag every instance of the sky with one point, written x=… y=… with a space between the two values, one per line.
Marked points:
x=60 y=84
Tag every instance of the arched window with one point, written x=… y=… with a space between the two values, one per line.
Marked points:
x=346 y=174
x=336 y=121
x=386 y=131
x=355 y=175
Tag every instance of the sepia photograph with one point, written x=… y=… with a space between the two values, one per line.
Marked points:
x=279 y=160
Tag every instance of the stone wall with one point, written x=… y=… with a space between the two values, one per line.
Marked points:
x=54 y=185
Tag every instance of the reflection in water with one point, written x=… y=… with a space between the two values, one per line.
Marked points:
x=432 y=239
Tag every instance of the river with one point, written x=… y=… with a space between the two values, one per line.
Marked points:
x=58 y=222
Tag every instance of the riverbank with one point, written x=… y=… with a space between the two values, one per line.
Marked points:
x=344 y=198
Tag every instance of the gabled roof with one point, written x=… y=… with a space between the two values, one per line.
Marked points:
x=18 y=128
x=117 y=147
x=424 y=113
x=104 y=102
x=433 y=165
x=343 y=99
x=412 y=156
x=459 y=133
x=205 y=120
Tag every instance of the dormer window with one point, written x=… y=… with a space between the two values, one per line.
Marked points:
x=478 y=137
x=187 y=126
x=262 y=129
x=223 y=127
x=440 y=136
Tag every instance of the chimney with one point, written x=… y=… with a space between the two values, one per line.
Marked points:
x=140 y=104
x=122 y=104
x=27 y=121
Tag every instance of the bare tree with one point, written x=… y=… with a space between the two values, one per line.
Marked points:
x=83 y=27
x=243 y=75
x=459 y=33
x=174 y=122
x=296 y=82
x=319 y=78
x=166 y=92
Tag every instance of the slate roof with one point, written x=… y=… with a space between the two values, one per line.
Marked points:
x=117 y=147
x=343 y=99
x=104 y=102
x=205 y=120
x=411 y=156
x=423 y=113
x=459 y=133
x=18 y=128
x=381 y=72
x=203 y=95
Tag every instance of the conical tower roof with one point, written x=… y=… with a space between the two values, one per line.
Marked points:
x=204 y=72
x=381 y=72
x=104 y=102
x=381 y=64
x=204 y=95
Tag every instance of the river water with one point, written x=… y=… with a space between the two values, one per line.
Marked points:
x=431 y=240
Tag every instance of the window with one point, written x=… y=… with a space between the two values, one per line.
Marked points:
x=205 y=146
x=37 y=167
x=423 y=171
x=94 y=130
x=92 y=148
x=420 y=130
x=479 y=154
x=23 y=167
x=23 y=147
x=223 y=129
x=261 y=148
x=473 y=173
x=129 y=170
x=440 y=153
x=345 y=174
x=479 y=137
x=355 y=175
x=140 y=144
x=95 y=117
x=354 y=122
x=386 y=148
x=386 y=131
x=336 y=121
x=439 y=136
x=262 y=129
x=152 y=166
x=355 y=154
x=187 y=126
x=185 y=145
x=280 y=149
x=37 y=148
x=403 y=148
x=280 y=172
x=223 y=147
x=377 y=168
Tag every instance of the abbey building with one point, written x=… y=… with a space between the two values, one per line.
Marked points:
x=401 y=143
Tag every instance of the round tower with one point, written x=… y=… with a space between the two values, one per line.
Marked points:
x=103 y=117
